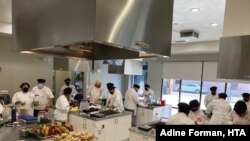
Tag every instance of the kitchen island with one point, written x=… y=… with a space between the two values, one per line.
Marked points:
x=113 y=127
x=152 y=112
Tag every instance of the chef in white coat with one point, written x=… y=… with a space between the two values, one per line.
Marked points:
x=62 y=106
x=114 y=98
x=220 y=110
x=210 y=97
x=43 y=96
x=196 y=114
x=131 y=99
x=94 y=93
x=181 y=118
x=23 y=99
x=240 y=115
x=68 y=85
x=1 y=108
x=246 y=97
x=148 y=93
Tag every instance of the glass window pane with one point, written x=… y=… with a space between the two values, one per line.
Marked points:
x=235 y=90
x=190 y=89
x=206 y=90
x=169 y=91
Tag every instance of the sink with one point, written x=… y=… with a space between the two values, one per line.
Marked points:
x=108 y=112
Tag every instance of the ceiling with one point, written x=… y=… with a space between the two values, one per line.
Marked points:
x=211 y=11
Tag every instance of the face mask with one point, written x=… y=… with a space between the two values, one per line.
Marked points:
x=246 y=99
x=193 y=110
x=213 y=93
x=25 y=89
x=111 y=92
x=40 y=86
x=146 y=89
x=67 y=83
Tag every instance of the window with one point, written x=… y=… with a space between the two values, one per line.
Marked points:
x=206 y=90
x=170 y=91
x=235 y=90
x=140 y=79
x=190 y=89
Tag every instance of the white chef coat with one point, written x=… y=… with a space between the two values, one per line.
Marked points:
x=220 y=110
x=73 y=93
x=42 y=95
x=245 y=120
x=94 y=94
x=208 y=98
x=115 y=100
x=26 y=98
x=248 y=104
x=180 y=119
x=131 y=100
x=148 y=95
x=1 y=108
x=62 y=108
x=197 y=116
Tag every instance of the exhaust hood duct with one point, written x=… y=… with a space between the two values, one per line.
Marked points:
x=234 y=58
x=93 y=29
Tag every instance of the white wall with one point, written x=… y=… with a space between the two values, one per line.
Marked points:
x=237 y=19
x=205 y=47
x=18 y=68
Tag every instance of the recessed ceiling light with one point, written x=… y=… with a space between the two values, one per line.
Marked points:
x=195 y=10
x=214 y=24
x=165 y=57
x=187 y=40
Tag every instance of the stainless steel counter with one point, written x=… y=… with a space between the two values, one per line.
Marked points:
x=125 y=113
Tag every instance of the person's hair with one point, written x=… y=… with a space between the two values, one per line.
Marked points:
x=67 y=91
x=222 y=95
x=194 y=104
x=67 y=80
x=147 y=86
x=183 y=108
x=41 y=80
x=246 y=95
x=240 y=107
x=25 y=83
x=213 y=88
x=136 y=86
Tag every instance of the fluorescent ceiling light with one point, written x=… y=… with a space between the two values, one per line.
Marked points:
x=26 y=52
x=214 y=24
x=195 y=10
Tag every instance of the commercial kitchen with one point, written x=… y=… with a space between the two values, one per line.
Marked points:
x=112 y=70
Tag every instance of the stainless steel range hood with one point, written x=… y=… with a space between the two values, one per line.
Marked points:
x=234 y=57
x=93 y=29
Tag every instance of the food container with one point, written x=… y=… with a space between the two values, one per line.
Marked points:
x=24 y=132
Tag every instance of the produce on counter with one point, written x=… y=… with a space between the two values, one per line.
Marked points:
x=45 y=130
x=75 y=136
x=74 y=109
